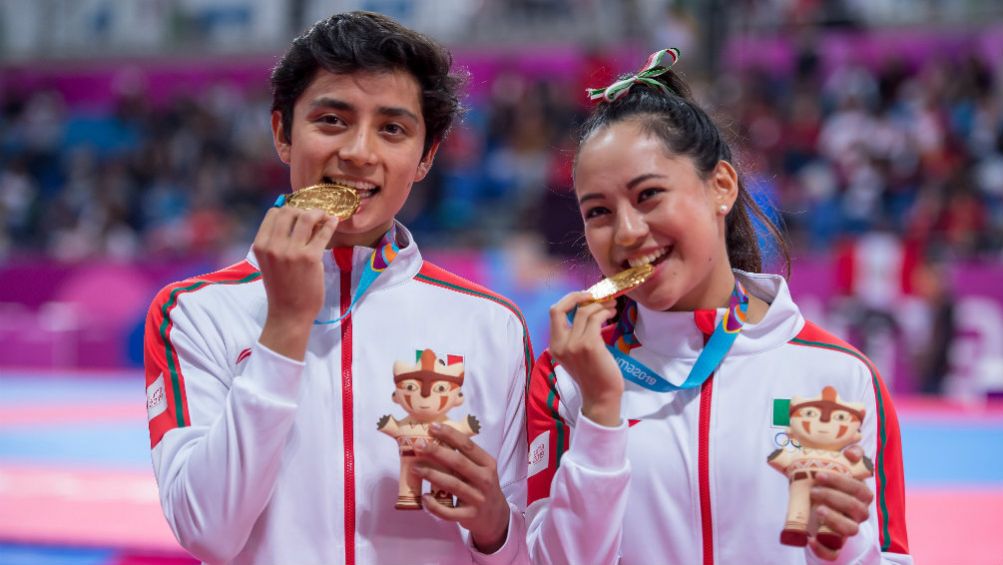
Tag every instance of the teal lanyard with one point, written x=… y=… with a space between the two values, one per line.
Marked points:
x=384 y=254
x=710 y=358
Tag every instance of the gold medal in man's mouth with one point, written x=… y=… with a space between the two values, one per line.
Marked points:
x=333 y=198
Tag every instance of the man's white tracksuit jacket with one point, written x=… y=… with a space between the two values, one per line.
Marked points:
x=262 y=459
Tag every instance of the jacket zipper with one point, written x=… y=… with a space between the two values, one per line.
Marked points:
x=705 y=321
x=343 y=258
x=706 y=519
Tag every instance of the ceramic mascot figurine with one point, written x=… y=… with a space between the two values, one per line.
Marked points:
x=426 y=390
x=820 y=428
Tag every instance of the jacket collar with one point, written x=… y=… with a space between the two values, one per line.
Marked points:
x=404 y=266
x=780 y=324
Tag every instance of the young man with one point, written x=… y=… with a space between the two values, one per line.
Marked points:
x=266 y=380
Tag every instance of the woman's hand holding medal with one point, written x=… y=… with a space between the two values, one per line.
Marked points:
x=580 y=348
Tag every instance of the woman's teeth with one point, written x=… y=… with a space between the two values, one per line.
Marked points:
x=647 y=259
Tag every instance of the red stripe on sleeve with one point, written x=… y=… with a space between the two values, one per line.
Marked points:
x=548 y=433
x=160 y=395
x=889 y=473
x=166 y=394
x=891 y=502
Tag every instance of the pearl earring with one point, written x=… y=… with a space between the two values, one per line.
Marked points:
x=723 y=208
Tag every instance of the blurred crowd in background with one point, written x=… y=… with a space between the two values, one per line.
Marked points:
x=897 y=154
x=915 y=150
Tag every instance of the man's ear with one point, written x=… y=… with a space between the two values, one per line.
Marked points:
x=425 y=165
x=282 y=146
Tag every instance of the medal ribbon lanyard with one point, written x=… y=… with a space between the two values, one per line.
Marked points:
x=710 y=358
x=384 y=254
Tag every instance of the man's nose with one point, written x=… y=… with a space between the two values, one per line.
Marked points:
x=358 y=148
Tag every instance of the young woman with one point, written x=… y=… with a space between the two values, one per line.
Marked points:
x=651 y=420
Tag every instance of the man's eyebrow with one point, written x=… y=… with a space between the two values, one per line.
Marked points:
x=333 y=103
x=394 y=112
x=388 y=111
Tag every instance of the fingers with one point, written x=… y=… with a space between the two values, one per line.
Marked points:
x=461 y=443
x=822 y=551
x=457 y=464
x=590 y=319
x=265 y=229
x=454 y=514
x=448 y=458
x=836 y=521
x=583 y=339
x=450 y=466
x=559 y=315
x=481 y=507
x=840 y=503
x=286 y=229
x=323 y=233
x=304 y=224
x=844 y=494
x=467 y=461
x=285 y=218
x=854 y=453
x=443 y=481
x=585 y=327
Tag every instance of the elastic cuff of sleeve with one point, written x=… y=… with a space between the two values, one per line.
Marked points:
x=273 y=374
x=855 y=550
x=509 y=550
x=599 y=447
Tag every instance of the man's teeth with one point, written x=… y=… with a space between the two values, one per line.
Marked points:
x=363 y=189
x=647 y=259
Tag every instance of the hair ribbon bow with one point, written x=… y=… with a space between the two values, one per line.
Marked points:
x=658 y=63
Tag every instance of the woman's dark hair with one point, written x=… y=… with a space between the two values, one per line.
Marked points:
x=365 y=41
x=685 y=129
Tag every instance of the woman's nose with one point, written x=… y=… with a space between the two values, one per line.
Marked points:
x=629 y=228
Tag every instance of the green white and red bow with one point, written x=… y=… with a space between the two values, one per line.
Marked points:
x=658 y=64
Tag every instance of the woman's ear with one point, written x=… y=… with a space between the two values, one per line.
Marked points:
x=724 y=187
x=279 y=137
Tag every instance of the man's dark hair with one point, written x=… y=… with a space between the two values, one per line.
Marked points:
x=365 y=41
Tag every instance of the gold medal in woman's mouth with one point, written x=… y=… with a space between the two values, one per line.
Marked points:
x=620 y=283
